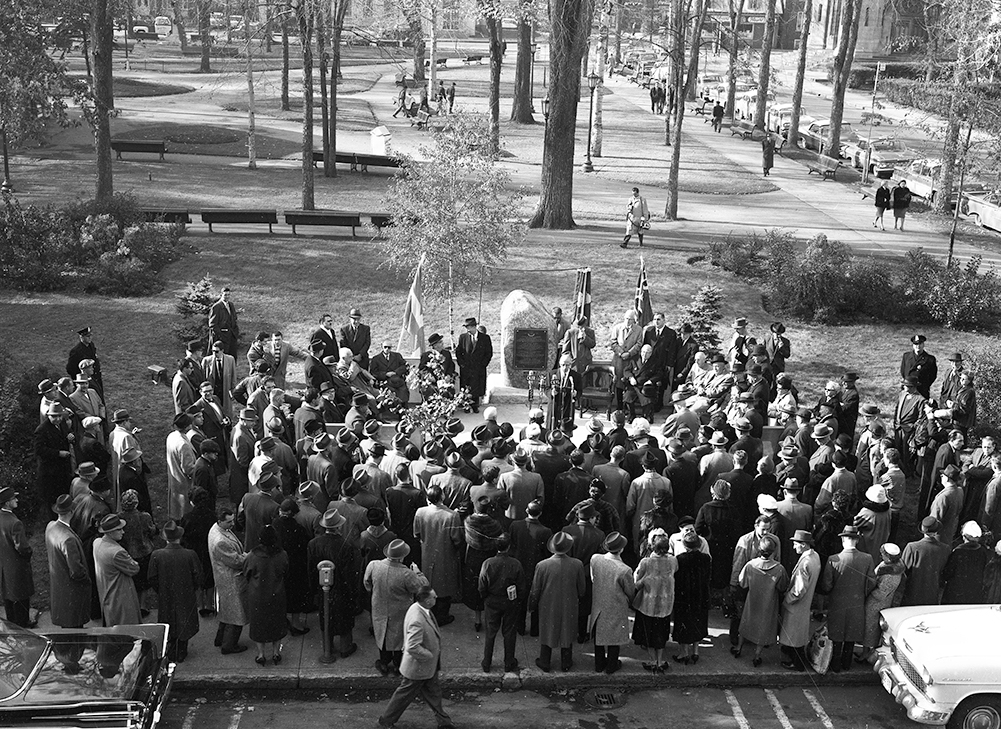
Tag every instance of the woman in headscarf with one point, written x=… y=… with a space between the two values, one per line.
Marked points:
x=691 y=598
x=265 y=571
x=482 y=531
x=873 y=522
x=138 y=542
x=889 y=573
x=765 y=579
x=654 y=601
x=716 y=523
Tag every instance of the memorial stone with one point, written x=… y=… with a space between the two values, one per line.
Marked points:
x=528 y=332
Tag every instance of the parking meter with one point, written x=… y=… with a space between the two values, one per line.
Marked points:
x=325 y=571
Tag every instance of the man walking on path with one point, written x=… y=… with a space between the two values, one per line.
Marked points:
x=421 y=663
x=637 y=218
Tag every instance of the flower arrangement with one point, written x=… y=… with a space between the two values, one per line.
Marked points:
x=440 y=398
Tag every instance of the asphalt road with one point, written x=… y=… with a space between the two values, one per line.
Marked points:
x=742 y=708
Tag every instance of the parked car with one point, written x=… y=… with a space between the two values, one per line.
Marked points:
x=91 y=677
x=887 y=153
x=942 y=664
x=983 y=208
x=814 y=135
x=745 y=103
x=705 y=85
x=778 y=116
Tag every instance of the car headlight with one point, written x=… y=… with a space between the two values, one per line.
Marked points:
x=883 y=625
x=926 y=675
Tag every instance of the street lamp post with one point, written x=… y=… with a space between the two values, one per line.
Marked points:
x=545 y=123
x=6 y=187
x=592 y=83
x=531 y=75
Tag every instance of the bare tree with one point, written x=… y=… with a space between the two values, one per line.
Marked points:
x=847 y=37
x=337 y=12
x=521 y=107
x=601 y=64
x=305 y=14
x=102 y=44
x=205 y=35
x=765 y=69
x=736 y=15
x=182 y=35
x=792 y=139
x=285 y=64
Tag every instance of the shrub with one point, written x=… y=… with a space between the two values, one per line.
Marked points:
x=193 y=305
x=18 y=420
x=33 y=247
x=985 y=363
x=702 y=312
x=119 y=274
x=958 y=297
x=745 y=256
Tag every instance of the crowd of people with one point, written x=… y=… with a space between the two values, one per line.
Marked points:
x=625 y=533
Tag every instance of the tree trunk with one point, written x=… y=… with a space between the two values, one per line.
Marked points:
x=205 y=34
x=601 y=61
x=521 y=107
x=736 y=17
x=85 y=48
x=570 y=21
x=433 y=51
x=617 y=36
x=285 y=65
x=693 y=61
x=321 y=50
x=417 y=36
x=682 y=80
x=792 y=139
x=306 y=43
x=182 y=35
x=765 y=69
x=104 y=94
x=496 y=57
x=842 y=69
x=251 y=132
x=336 y=28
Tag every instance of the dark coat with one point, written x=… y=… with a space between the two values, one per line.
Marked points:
x=847 y=579
x=294 y=539
x=473 y=360
x=357 y=338
x=924 y=367
x=256 y=512
x=963 y=575
x=925 y=562
x=79 y=353
x=691 y=596
x=265 y=571
x=197 y=523
x=329 y=341
x=528 y=544
x=176 y=575
x=15 y=559
x=204 y=476
x=223 y=326
x=135 y=479
x=347 y=567
x=53 y=473
x=69 y=579
x=557 y=587
x=716 y=524
x=665 y=346
x=685 y=481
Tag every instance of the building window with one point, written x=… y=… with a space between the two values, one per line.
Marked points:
x=450 y=16
x=866 y=18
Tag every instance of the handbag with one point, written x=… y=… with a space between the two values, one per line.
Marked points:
x=645 y=224
x=819 y=650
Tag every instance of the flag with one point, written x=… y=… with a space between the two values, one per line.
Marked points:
x=582 y=295
x=412 y=343
x=644 y=309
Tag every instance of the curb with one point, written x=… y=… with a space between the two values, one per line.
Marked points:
x=528 y=679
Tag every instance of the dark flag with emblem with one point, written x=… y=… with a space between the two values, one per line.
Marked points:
x=644 y=309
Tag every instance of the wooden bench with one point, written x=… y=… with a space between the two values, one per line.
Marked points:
x=343 y=158
x=364 y=161
x=238 y=215
x=826 y=167
x=741 y=128
x=148 y=146
x=322 y=217
x=778 y=142
x=379 y=220
x=166 y=215
x=701 y=110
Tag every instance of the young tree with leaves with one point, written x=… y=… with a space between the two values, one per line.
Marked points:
x=703 y=313
x=455 y=208
x=570 y=26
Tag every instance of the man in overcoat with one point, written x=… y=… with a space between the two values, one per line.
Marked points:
x=69 y=578
x=16 y=584
x=924 y=561
x=176 y=575
x=794 y=616
x=227 y=556
x=502 y=586
x=393 y=586
x=473 y=353
x=357 y=337
x=557 y=588
x=223 y=326
x=115 y=569
x=847 y=580
x=919 y=364
x=388 y=368
x=53 y=445
x=612 y=593
x=331 y=545
x=220 y=369
x=85 y=349
x=529 y=537
x=181 y=458
x=440 y=531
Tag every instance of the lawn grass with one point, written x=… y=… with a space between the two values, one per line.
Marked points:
x=126 y=87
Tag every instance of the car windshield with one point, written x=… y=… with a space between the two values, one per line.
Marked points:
x=889 y=145
x=20 y=651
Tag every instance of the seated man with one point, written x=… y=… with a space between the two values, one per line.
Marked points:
x=389 y=369
x=715 y=390
x=642 y=380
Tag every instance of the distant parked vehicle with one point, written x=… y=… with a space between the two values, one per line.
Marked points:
x=162 y=25
x=982 y=208
x=887 y=153
x=778 y=117
x=746 y=102
x=814 y=135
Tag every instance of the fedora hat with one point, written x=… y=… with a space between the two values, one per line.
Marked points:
x=951 y=472
x=850 y=531
x=332 y=519
x=432 y=450
x=480 y=434
x=453 y=459
x=248 y=414
x=323 y=440
x=560 y=543
x=870 y=410
x=469 y=322
x=88 y=469
x=346 y=438
x=614 y=542
x=778 y=328
x=308 y=490
x=802 y=535
x=45 y=385
x=742 y=424
x=56 y=408
x=371 y=427
x=453 y=426
x=434 y=339
x=520 y=457
x=740 y=321
x=718 y=439
x=63 y=505
x=172 y=531
x=791 y=484
x=821 y=430
x=132 y=454
x=396 y=549
x=596 y=426
x=6 y=494
x=556 y=438
x=110 y=523
x=355 y=313
x=587 y=511
x=789 y=451
x=955 y=357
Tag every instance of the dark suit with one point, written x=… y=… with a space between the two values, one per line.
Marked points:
x=762 y=395
x=528 y=545
x=922 y=366
x=925 y=562
x=684 y=359
x=316 y=373
x=910 y=408
x=357 y=338
x=222 y=374
x=328 y=339
x=131 y=477
x=53 y=472
x=391 y=369
x=256 y=512
x=473 y=358
x=16 y=584
x=223 y=326
x=79 y=353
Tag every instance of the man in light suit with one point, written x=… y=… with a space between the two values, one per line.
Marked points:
x=627 y=338
x=421 y=663
x=222 y=323
x=220 y=369
x=357 y=337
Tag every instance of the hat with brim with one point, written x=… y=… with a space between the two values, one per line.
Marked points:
x=870 y=410
x=371 y=427
x=792 y=484
x=919 y=339
x=778 y=327
x=346 y=438
x=850 y=531
x=432 y=450
x=614 y=542
x=560 y=543
x=520 y=458
x=480 y=434
x=802 y=535
x=469 y=322
x=675 y=447
x=951 y=472
x=718 y=439
x=789 y=452
x=63 y=505
x=56 y=409
x=849 y=377
x=308 y=490
x=88 y=469
x=717 y=358
x=331 y=519
x=132 y=454
x=249 y=414
x=396 y=549
x=739 y=322
x=359 y=399
x=955 y=357
x=746 y=397
x=742 y=424
x=323 y=440
x=354 y=314
x=172 y=531
x=587 y=511
x=45 y=385
x=434 y=339
x=6 y=494
x=821 y=430
x=110 y=523
x=876 y=494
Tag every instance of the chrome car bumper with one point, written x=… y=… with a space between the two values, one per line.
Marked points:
x=919 y=707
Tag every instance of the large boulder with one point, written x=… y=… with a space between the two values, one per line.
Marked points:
x=524 y=311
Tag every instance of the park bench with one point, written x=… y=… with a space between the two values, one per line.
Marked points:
x=344 y=158
x=826 y=167
x=166 y=215
x=741 y=128
x=149 y=146
x=379 y=220
x=240 y=215
x=701 y=108
x=364 y=161
x=470 y=60
x=322 y=217
x=778 y=141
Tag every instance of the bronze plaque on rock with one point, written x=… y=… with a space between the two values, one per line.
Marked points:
x=531 y=349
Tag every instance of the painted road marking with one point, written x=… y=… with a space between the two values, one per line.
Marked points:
x=738 y=713
x=234 y=722
x=821 y=714
x=777 y=708
x=189 y=717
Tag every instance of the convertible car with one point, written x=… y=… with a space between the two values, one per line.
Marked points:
x=91 y=678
